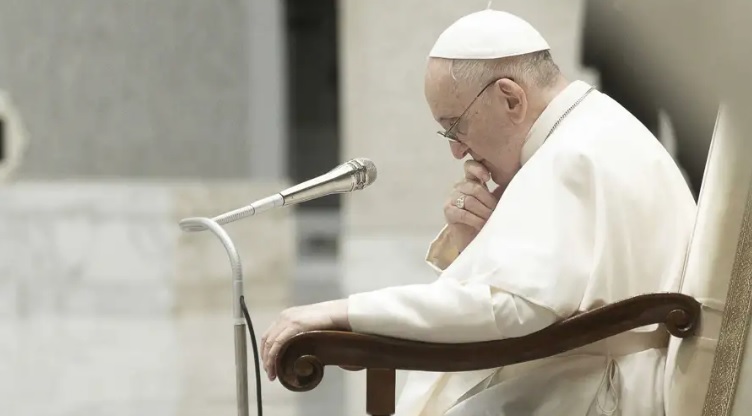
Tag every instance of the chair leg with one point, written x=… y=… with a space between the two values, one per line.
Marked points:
x=380 y=391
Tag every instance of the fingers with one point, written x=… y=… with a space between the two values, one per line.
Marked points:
x=474 y=170
x=479 y=193
x=478 y=206
x=275 y=344
x=455 y=215
x=267 y=342
x=271 y=342
x=475 y=207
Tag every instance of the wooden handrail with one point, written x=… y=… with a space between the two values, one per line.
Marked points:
x=301 y=362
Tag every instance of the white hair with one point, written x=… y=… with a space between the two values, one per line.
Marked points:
x=535 y=69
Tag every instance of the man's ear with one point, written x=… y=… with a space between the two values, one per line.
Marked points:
x=514 y=99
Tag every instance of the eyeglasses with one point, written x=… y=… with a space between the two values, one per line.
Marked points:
x=449 y=133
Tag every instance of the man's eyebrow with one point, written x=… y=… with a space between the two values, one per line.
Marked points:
x=449 y=119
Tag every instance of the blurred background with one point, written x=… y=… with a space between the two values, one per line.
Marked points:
x=119 y=118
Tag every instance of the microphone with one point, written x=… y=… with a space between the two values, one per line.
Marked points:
x=352 y=175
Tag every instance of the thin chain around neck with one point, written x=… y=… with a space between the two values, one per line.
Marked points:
x=569 y=110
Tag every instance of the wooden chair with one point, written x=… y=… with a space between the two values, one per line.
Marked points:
x=302 y=359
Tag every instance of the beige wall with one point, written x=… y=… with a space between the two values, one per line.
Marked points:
x=97 y=282
x=385 y=118
x=110 y=248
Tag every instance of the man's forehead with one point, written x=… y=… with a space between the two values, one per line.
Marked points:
x=442 y=91
x=439 y=74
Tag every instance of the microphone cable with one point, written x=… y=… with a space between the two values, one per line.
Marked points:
x=259 y=407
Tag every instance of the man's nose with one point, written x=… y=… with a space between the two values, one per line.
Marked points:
x=459 y=150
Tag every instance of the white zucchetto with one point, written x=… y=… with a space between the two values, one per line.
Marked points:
x=488 y=34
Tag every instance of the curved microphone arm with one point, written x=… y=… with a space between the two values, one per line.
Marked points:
x=241 y=360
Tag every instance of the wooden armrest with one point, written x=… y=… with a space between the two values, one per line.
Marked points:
x=301 y=362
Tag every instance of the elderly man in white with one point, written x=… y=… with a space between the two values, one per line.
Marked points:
x=588 y=209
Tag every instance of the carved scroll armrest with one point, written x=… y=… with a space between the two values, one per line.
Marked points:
x=302 y=359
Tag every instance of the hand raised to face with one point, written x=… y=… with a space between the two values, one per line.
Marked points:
x=470 y=205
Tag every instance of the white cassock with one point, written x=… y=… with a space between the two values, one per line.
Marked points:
x=598 y=213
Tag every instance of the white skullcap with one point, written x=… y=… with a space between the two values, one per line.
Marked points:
x=488 y=34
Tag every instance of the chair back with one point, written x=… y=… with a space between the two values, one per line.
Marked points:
x=703 y=371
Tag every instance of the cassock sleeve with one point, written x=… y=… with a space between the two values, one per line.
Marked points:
x=526 y=269
x=441 y=253
x=447 y=312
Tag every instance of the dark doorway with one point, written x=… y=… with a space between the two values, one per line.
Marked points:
x=314 y=142
x=313 y=149
x=313 y=93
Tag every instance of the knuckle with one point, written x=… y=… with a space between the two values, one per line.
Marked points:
x=472 y=166
x=450 y=211
x=478 y=208
x=462 y=216
x=473 y=204
x=468 y=187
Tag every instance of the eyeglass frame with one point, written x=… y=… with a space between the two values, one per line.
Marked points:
x=448 y=134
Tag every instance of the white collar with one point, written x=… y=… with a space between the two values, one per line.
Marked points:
x=553 y=112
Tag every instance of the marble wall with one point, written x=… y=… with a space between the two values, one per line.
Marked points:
x=167 y=89
x=107 y=307
x=115 y=248
x=118 y=88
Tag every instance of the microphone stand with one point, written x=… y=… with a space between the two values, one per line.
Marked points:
x=241 y=351
x=353 y=175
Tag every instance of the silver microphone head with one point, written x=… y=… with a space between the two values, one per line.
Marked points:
x=366 y=172
x=352 y=175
